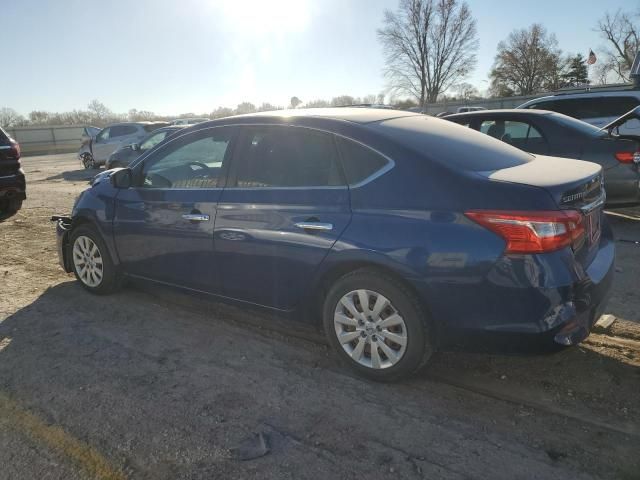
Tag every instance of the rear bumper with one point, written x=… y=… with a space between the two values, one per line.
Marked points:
x=13 y=186
x=526 y=301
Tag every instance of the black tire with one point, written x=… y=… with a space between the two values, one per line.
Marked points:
x=88 y=162
x=420 y=340
x=110 y=280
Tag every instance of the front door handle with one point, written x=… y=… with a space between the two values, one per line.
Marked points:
x=315 y=226
x=196 y=217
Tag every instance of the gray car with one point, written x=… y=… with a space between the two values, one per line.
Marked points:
x=548 y=133
x=123 y=156
x=94 y=153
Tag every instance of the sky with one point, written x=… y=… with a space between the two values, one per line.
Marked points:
x=177 y=56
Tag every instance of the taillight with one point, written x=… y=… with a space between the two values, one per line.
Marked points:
x=533 y=232
x=624 y=157
x=15 y=149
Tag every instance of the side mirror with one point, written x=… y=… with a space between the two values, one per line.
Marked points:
x=122 y=178
x=135 y=147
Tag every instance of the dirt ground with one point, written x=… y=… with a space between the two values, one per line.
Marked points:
x=151 y=383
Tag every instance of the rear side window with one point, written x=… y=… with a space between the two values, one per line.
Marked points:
x=122 y=130
x=359 y=162
x=274 y=156
x=590 y=107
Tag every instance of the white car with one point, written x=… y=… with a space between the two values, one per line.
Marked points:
x=95 y=152
x=596 y=108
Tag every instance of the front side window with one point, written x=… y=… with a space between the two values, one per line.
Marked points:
x=359 y=162
x=104 y=135
x=507 y=129
x=280 y=156
x=192 y=161
x=153 y=140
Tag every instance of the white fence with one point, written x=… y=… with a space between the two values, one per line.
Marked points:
x=47 y=140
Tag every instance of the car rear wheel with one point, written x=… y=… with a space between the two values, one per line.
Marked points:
x=377 y=325
x=91 y=262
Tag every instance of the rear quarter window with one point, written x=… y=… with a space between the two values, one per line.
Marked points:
x=451 y=144
x=359 y=162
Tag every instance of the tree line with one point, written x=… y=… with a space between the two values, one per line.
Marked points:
x=98 y=114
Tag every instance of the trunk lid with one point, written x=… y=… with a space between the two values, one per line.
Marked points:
x=573 y=185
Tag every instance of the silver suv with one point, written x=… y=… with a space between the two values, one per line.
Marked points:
x=596 y=108
x=95 y=152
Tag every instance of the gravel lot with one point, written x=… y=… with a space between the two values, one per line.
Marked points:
x=151 y=383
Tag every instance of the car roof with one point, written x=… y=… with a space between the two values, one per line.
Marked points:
x=358 y=115
x=592 y=94
x=137 y=123
x=506 y=111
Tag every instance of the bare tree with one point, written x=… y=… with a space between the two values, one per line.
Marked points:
x=10 y=118
x=622 y=32
x=342 y=100
x=429 y=46
x=527 y=62
x=466 y=91
x=221 y=112
x=98 y=111
x=317 y=104
x=295 y=101
x=245 y=107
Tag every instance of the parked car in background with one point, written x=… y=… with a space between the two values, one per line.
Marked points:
x=595 y=107
x=12 y=180
x=402 y=232
x=470 y=109
x=89 y=133
x=548 y=133
x=189 y=121
x=123 y=156
x=95 y=152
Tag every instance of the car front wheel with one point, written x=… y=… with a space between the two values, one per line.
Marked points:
x=91 y=262
x=377 y=325
x=88 y=162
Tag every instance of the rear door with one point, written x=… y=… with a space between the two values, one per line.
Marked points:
x=284 y=207
x=102 y=144
x=163 y=226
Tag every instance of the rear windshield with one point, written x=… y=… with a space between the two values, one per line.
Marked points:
x=4 y=137
x=578 y=125
x=452 y=144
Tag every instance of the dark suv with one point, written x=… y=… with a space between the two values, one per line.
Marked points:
x=12 y=182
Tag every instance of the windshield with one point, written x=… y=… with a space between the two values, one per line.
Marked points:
x=452 y=144
x=578 y=125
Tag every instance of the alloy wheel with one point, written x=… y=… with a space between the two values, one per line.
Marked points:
x=370 y=330
x=87 y=260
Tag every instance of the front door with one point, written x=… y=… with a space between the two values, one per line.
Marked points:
x=285 y=205
x=163 y=225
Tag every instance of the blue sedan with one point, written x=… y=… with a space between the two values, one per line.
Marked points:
x=401 y=233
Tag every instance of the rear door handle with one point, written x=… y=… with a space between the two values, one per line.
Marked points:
x=315 y=226
x=196 y=217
